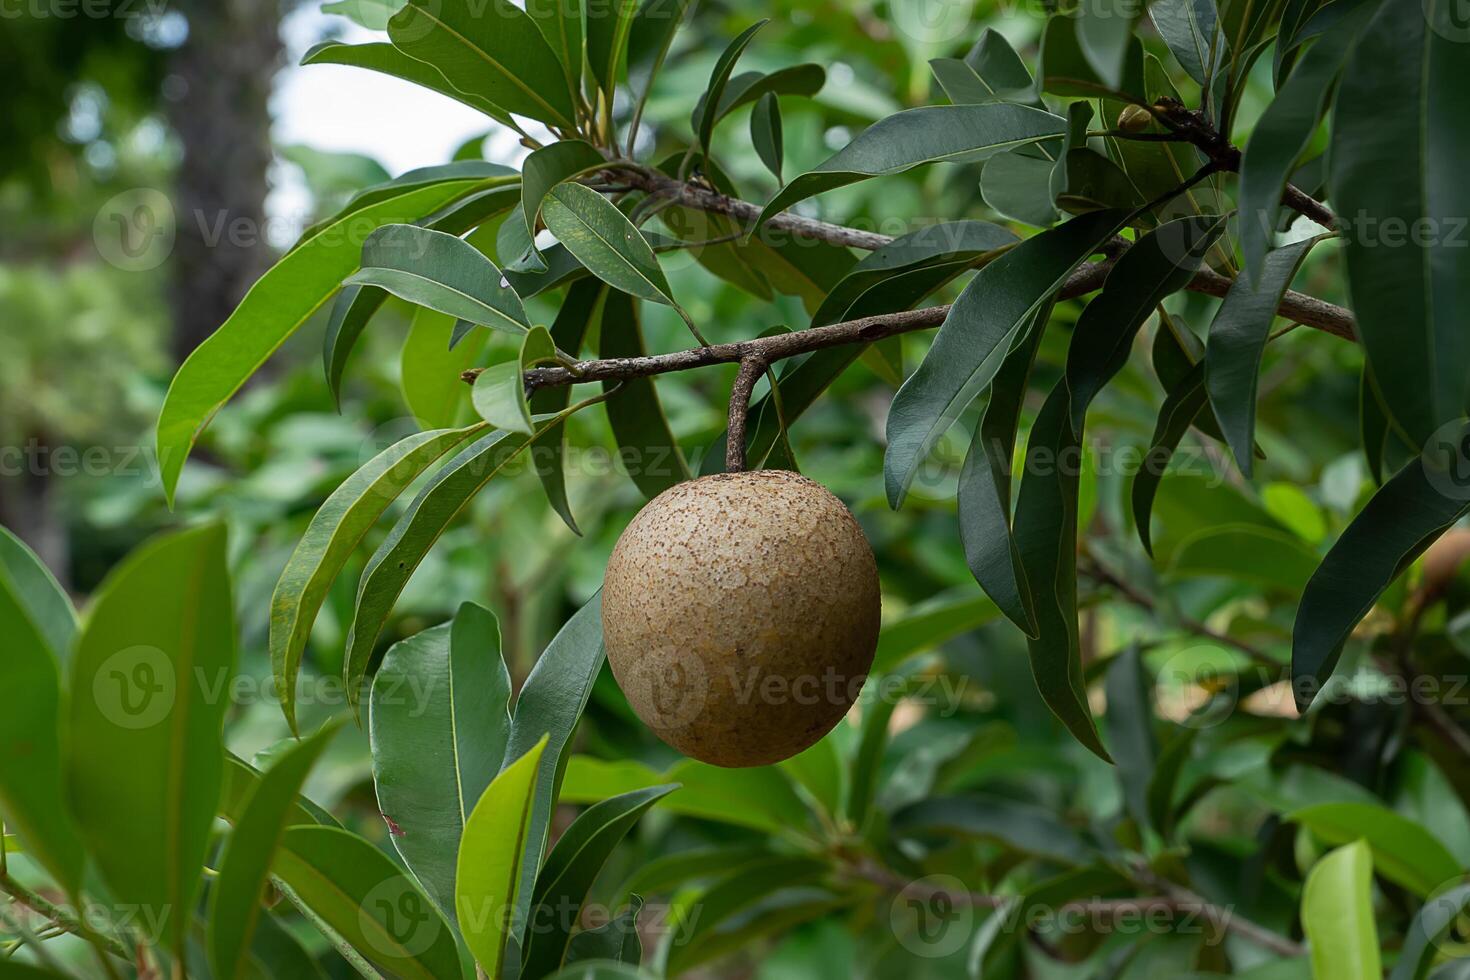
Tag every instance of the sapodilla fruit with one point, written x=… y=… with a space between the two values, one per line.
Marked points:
x=740 y=613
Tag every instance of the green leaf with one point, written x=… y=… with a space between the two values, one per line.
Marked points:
x=549 y=456
x=442 y=272
x=1164 y=780
x=42 y=598
x=729 y=896
x=372 y=14
x=549 y=166
x=609 y=25
x=1046 y=537
x=1159 y=264
x=765 y=132
x=1184 y=402
x=605 y=241
x=1282 y=135
x=1066 y=68
x=244 y=866
x=976 y=336
x=760 y=798
x=500 y=390
x=929 y=625
x=1017 y=184
x=752 y=86
x=818 y=771
x=282 y=300
x=1399 y=133
x=1403 y=851
x=390 y=567
x=1337 y=915
x=354 y=307
x=493 y=50
x=1405 y=516
x=1237 y=340
x=570 y=870
x=333 y=534
x=1001 y=69
x=490 y=878
x=908 y=139
x=1105 y=33
x=616 y=940
x=31 y=794
x=704 y=118
x=1129 y=724
x=1020 y=827
x=436 y=352
x=651 y=453
x=240 y=781
x=150 y=676
x=385 y=58
x=651 y=35
x=561 y=23
x=439 y=721
x=983 y=499
x=550 y=705
x=361 y=895
x=1191 y=29
x=1430 y=927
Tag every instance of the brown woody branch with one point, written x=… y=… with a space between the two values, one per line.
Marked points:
x=745 y=379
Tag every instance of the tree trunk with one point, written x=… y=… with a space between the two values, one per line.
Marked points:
x=224 y=72
x=30 y=507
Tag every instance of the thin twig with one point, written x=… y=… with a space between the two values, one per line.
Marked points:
x=60 y=917
x=745 y=379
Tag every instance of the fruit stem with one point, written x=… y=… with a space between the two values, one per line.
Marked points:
x=751 y=369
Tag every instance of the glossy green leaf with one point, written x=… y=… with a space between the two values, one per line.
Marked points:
x=1403 y=851
x=765 y=133
x=439 y=720
x=1021 y=827
x=1045 y=530
x=976 y=336
x=548 y=456
x=333 y=534
x=1399 y=142
x=489 y=876
x=1191 y=29
x=1159 y=264
x=616 y=940
x=1001 y=69
x=500 y=390
x=389 y=60
x=276 y=305
x=752 y=86
x=561 y=23
x=351 y=312
x=1403 y=518
x=1017 y=184
x=1430 y=927
x=1184 y=402
x=1237 y=341
x=44 y=600
x=436 y=352
x=649 y=450
x=240 y=781
x=150 y=678
x=360 y=894
x=605 y=241
x=547 y=711
x=235 y=907
x=570 y=869
x=609 y=28
x=1282 y=136
x=390 y=567
x=1337 y=915
x=818 y=771
x=492 y=50
x=983 y=499
x=31 y=792
x=1105 y=33
x=929 y=625
x=444 y=273
x=549 y=166
x=372 y=14
x=760 y=798
x=704 y=117
x=1066 y=68
x=908 y=139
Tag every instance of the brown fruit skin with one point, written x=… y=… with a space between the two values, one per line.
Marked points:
x=740 y=613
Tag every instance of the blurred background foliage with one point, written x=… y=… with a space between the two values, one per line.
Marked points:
x=87 y=348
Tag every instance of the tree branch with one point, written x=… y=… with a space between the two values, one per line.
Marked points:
x=750 y=370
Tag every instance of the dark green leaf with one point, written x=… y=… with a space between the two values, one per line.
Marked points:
x=570 y=870
x=240 y=781
x=609 y=26
x=933 y=134
x=1129 y=724
x=548 y=457
x=439 y=720
x=1398 y=149
x=605 y=241
x=751 y=86
x=493 y=50
x=1164 y=780
x=765 y=132
x=1430 y=927
x=1185 y=401
x=500 y=390
x=976 y=336
x=1021 y=827
x=152 y=666
x=354 y=307
x=385 y=58
x=1017 y=184
x=42 y=598
x=650 y=452
x=244 y=865
x=331 y=537
x=1191 y=29
x=549 y=166
x=1236 y=342
x=615 y=940
x=704 y=118
x=444 y=273
x=561 y=24
x=1067 y=70
x=1404 y=517
x=1001 y=70
x=1105 y=33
